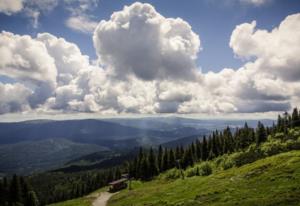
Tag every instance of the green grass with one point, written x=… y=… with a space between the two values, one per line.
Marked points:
x=83 y=201
x=270 y=181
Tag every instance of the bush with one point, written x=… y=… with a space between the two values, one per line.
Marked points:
x=252 y=154
x=171 y=174
x=205 y=169
x=194 y=171
x=294 y=133
x=293 y=145
x=266 y=149
x=224 y=162
x=279 y=135
x=227 y=163
x=273 y=147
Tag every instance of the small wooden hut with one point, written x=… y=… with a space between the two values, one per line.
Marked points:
x=118 y=185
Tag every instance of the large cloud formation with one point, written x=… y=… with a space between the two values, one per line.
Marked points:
x=146 y=64
x=140 y=41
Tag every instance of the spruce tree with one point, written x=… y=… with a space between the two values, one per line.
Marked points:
x=153 y=169
x=172 y=160
x=295 y=117
x=260 y=135
x=165 y=160
x=204 y=150
x=32 y=199
x=280 y=124
x=177 y=153
x=15 y=190
x=144 y=169
x=198 y=150
x=159 y=158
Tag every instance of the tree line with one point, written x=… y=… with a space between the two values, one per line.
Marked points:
x=54 y=187
x=17 y=192
x=150 y=163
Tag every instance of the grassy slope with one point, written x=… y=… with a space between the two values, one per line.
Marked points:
x=271 y=181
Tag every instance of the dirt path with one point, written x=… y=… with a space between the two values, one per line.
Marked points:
x=102 y=199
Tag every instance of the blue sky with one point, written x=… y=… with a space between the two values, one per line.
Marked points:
x=146 y=59
x=213 y=20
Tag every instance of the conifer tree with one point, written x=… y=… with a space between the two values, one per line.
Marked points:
x=295 y=117
x=165 y=160
x=15 y=190
x=172 y=160
x=204 y=150
x=279 y=124
x=32 y=199
x=198 y=150
x=159 y=158
x=177 y=153
x=153 y=169
x=144 y=169
x=260 y=135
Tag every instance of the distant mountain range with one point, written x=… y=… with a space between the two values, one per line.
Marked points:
x=39 y=145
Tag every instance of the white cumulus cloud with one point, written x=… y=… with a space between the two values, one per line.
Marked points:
x=140 y=41
x=81 y=23
x=11 y=6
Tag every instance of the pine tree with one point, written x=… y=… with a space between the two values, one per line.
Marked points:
x=230 y=141
x=32 y=199
x=260 y=135
x=25 y=187
x=177 y=153
x=139 y=163
x=159 y=157
x=144 y=169
x=172 y=160
x=188 y=159
x=165 y=160
x=2 y=191
x=295 y=117
x=15 y=189
x=204 y=150
x=198 y=150
x=280 y=124
x=193 y=149
x=285 y=122
x=153 y=169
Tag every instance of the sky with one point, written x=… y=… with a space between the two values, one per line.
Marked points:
x=109 y=57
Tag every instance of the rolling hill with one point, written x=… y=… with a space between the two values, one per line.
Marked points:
x=271 y=181
x=35 y=156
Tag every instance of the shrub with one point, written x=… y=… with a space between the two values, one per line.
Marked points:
x=172 y=174
x=252 y=154
x=293 y=145
x=194 y=171
x=224 y=162
x=294 y=133
x=205 y=169
x=279 y=135
x=227 y=163
x=273 y=147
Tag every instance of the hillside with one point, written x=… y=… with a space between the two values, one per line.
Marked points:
x=271 y=181
x=49 y=144
x=34 y=156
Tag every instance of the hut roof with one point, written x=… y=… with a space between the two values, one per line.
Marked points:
x=118 y=181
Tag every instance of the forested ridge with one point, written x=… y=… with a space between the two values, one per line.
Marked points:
x=245 y=141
